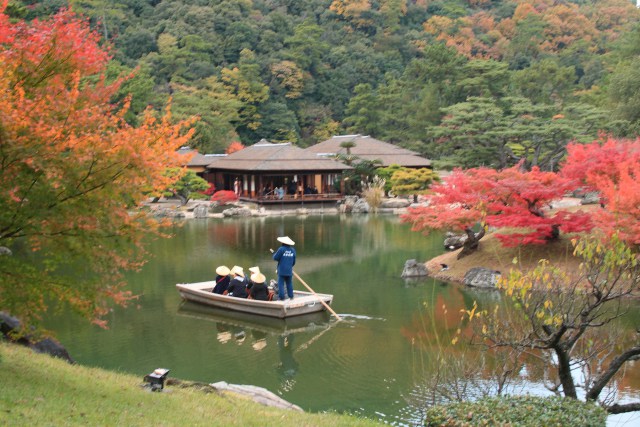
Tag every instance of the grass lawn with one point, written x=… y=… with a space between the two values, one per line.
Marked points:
x=39 y=390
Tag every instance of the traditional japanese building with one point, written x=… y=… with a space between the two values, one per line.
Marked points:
x=365 y=147
x=270 y=173
x=199 y=162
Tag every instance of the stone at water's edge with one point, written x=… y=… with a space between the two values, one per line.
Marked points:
x=395 y=203
x=201 y=211
x=242 y=212
x=360 y=206
x=412 y=268
x=168 y=213
x=8 y=324
x=480 y=277
x=258 y=394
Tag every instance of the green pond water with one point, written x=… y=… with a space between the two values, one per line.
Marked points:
x=373 y=364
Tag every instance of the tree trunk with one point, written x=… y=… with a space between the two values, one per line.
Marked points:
x=594 y=392
x=564 y=373
x=181 y=197
x=555 y=233
x=471 y=244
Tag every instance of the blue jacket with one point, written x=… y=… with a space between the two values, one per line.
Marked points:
x=286 y=257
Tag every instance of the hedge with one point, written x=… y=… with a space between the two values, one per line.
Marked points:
x=517 y=411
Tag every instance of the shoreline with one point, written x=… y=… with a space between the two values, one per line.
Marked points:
x=172 y=208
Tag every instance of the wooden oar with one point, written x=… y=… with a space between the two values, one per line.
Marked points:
x=314 y=293
x=318 y=296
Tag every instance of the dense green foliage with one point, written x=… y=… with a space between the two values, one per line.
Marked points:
x=466 y=83
x=184 y=187
x=518 y=410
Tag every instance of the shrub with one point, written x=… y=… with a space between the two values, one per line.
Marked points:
x=517 y=411
x=224 y=197
x=209 y=191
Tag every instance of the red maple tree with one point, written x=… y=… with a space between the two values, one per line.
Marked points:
x=508 y=199
x=224 y=197
x=612 y=168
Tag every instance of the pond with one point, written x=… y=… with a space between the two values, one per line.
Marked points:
x=374 y=364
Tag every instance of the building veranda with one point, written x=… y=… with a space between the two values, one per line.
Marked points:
x=269 y=173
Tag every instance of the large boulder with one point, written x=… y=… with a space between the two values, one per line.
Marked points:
x=257 y=394
x=413 y=268
x=360 y=206
x=480 y=277
x=454 y=241
x=241 y=212
x=590 y=198
x=10 y=324
x=396 y=203
x=201 y=211
x=347 y=204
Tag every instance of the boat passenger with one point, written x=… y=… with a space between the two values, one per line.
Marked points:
x=222 y=279
x=253 y=270
x=237 y=286
x=286 y=257
x=259 y=289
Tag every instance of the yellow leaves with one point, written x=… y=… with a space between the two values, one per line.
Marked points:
x=472 y=313
x=290 y=77
x=456 y=337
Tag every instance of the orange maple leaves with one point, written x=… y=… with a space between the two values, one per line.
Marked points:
x=71 y=167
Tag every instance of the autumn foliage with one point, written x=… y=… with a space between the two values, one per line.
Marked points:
x=612 y=168
x=70 y=170
x=224 y=197
x=509 y=199
x=233 y=147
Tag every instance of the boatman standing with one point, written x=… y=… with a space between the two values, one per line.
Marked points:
x=286 y=257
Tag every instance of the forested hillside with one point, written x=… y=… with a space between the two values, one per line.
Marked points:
x=475 y=82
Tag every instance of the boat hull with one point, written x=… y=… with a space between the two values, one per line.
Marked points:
x=302 y=303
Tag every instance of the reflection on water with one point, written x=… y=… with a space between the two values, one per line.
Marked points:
x=288 y=366
x=380 y=357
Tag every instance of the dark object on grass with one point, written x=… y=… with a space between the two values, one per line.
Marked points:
x=157 y=378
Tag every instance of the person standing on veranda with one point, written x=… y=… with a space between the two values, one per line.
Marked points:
x=286 y=257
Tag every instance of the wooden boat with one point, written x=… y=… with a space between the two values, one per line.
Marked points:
x=270 y=325
x=302 y=302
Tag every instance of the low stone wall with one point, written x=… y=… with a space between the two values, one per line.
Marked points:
x=197 y=209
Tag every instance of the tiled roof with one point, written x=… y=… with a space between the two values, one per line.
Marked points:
x=265 y=157
x=199 y=159
x=370 y=149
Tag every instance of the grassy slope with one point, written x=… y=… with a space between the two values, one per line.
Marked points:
x=40 y=390
x=492 y=255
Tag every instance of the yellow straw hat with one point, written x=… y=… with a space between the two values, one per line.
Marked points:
x=286 y=240
x=237 y=270
x=223 y=270
x=258 y=278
